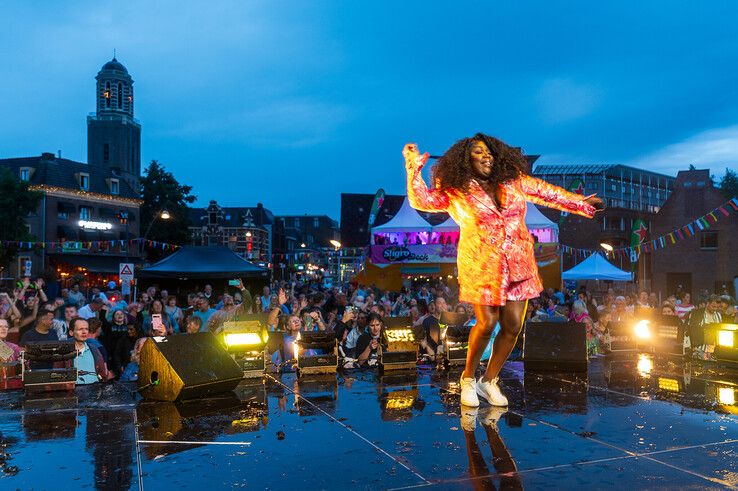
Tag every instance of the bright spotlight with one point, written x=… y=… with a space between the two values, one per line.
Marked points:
x=726 y=338
x=726 y=395
x=244 y=339
x=645 y=365
x=642 y=329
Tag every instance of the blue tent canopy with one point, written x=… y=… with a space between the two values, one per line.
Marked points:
x=596 y=267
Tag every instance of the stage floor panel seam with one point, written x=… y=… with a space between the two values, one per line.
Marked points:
x=354 y=432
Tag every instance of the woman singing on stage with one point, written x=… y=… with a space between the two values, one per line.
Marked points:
x=481 y=182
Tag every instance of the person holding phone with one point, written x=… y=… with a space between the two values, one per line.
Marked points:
x=482 y=183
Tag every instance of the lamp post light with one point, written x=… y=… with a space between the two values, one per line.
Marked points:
x=164 y=215
x=337 y=245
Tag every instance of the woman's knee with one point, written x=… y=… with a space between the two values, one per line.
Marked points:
x=511 y=326
x=486 y=325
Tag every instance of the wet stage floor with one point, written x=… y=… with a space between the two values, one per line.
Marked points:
x=632 y=422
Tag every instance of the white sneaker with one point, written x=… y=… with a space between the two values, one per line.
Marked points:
x=469 y=392
x=490 y=391
x=469 y=418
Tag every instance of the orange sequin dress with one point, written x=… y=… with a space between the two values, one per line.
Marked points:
x=495 y=257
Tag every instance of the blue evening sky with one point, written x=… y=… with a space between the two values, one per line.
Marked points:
x=290 y=103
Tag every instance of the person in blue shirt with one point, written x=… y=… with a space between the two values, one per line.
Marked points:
x=89 y=361
x=203 y=312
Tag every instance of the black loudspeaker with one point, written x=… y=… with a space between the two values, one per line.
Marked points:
x=186 y=366
x=555 y=346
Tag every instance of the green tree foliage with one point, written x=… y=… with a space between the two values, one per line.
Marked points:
x=16 y=202
x=161 y=191
x=729 y=184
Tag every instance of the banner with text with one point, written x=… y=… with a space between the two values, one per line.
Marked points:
x=443 y=253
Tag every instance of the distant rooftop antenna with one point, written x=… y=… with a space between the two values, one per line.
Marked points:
x=114 y=53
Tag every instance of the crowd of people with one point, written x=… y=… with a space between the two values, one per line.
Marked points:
x=109 y=331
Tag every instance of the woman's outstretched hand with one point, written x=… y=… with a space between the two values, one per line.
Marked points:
x=597 y=202
x=414 y=160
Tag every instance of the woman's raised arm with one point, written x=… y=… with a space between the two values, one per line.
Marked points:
x=420 y=197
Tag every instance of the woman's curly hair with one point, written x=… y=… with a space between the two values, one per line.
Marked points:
x=454 y=171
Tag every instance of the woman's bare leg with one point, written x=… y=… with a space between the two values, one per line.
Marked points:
x=479 y=337
x=512 y=315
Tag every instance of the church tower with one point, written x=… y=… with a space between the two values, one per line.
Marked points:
x=113 y=135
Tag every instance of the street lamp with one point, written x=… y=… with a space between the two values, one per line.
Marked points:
x=606 y=246
x=164 y=215
x=337 y=245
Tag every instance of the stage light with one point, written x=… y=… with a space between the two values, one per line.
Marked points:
x=642 y=329
x=402 y=349
x=726 y=338
x=645 y=365
x=243 y=339
x=670 y=384
x=315 y=353
x=400 y=335
x=726 y=395
x=723 y=337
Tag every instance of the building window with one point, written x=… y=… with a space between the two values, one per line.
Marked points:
x=84 y=181
x=709 y=239
x=612 y=186
x=106 y=152
x=107 y=94
x=297 y=222
x=316 y=222
x=120 y=95
x=114 y=186
x=84 y=213
x=25 y=174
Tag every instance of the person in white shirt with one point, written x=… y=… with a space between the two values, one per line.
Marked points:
x=61 y=326
x=91 y=309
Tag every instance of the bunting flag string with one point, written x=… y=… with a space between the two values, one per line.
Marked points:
x=677 y=235
x=90 y=244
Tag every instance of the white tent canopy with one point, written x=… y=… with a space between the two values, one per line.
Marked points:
x=406 y=220
x=544 y=229
x=596 y=267
x=447 y=226
x=535 y=219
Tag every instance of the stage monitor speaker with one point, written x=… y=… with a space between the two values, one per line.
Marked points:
x=186 y=366
x=555 y=346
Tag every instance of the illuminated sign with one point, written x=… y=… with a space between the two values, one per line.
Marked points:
x=88 y=225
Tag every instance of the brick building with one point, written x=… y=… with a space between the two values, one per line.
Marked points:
x=247 y=231
x=630 y=194
x=706 y=261
x=81 y=200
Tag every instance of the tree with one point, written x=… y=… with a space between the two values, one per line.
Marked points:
x=161 y=191
x=729 y=184
x=16 y=202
